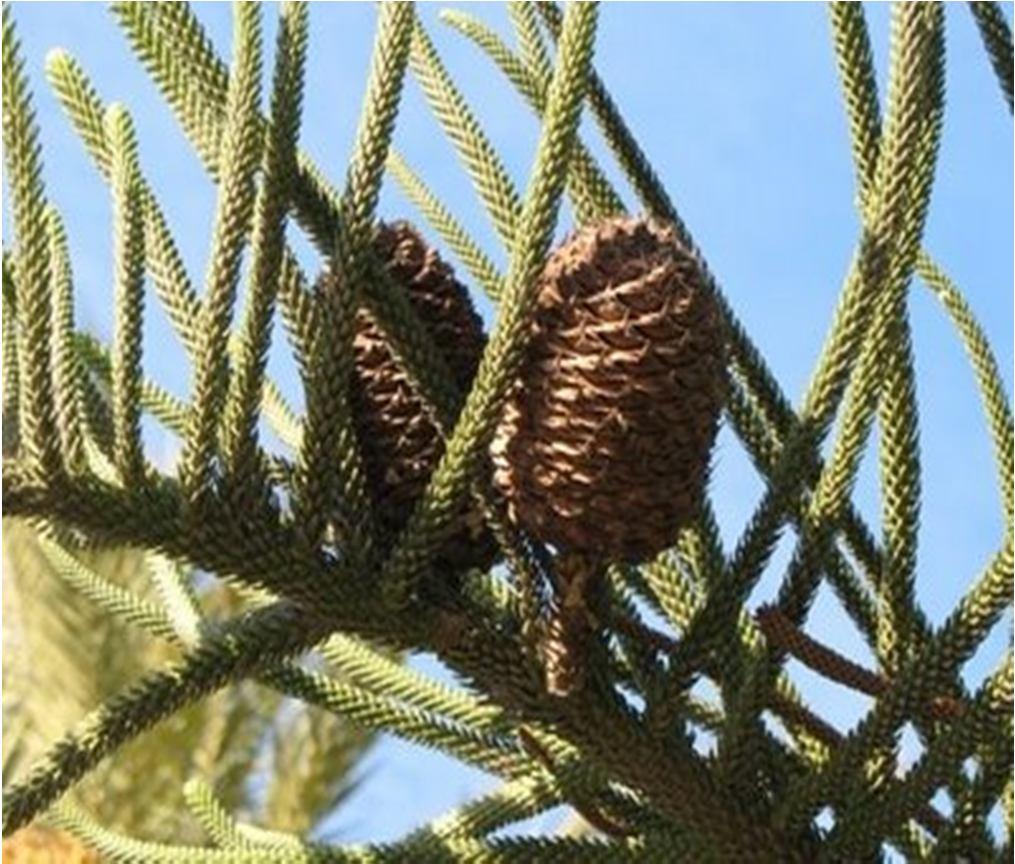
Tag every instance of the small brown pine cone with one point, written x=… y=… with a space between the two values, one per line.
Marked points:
x=604 y=445
x=398 y=439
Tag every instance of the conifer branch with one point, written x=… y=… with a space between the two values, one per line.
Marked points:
x=621 y=749
x=855 y=59
x=86 y=111
x=23 y=160
x=98 y=422
x=530 y=40
x=989 y=708
x=317 y=203
x=784 y=635
x=267 y=243
x=380 y=712
x=992 y=390
x=681 y=602
x=116 y=601
x=856 y=597
x=499 y=668
x=159 y=402
x=897 y=415
x=176 y=52
x=196 y=90
x=900 y=485
x=475 y=260
x=514 y=801
x=66 y=369
x=996 y=34
x=219 y=824
x=856 y=68
x=128 y=243
x=423 y=724
x=329 y=460
x=11 y=374
x=523 y=850
x=836 y=479
x=178 y=598
x=919 y=680
x=299 y=315
x=971 y=809
x=484 y=167
x=588 y=810
x=905 y=170
x=239 y=157
x=164 y=263
x=914 y=77
x=592 y=194
x=371 y=670
x=254 y=548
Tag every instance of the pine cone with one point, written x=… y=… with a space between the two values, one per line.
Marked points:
x=604 y=446
x=398 y=439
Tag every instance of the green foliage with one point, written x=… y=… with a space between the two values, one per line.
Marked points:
x=285 y=661
x=83 y=626
x=128 y=241
x=69 y=654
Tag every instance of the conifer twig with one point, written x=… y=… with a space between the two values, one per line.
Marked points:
x=590 y=191
x=220 y=826
x=786 y=636
x=329 y=460
x=22 y=156
x=918 y=681
x=171 y=282
x=493 y=185
x=591 y=814
x=267 y=243
x=996 y=34
x=66 y=368
x=474 y=259
x=128 y=242
x=993 y=702
x=240 y=154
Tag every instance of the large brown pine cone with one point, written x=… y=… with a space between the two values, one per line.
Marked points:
x=398 y=439
x=604 y=446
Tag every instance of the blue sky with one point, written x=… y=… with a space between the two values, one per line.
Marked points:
x=738 y=106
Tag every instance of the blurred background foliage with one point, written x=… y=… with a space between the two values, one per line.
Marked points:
x=276 y=762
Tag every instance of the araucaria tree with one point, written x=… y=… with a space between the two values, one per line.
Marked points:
x=512 y=501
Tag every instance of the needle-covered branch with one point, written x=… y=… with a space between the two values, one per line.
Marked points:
x=240 y=153
x=23 y=160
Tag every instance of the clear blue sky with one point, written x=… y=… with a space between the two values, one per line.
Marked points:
x=738 y=106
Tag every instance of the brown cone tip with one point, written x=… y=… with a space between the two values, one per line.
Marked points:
x=398 y=439
x=604 y=446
